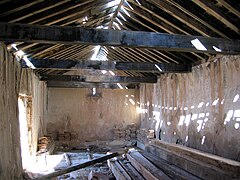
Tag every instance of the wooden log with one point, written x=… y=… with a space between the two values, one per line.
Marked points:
x=77 y=167
x=146 y=168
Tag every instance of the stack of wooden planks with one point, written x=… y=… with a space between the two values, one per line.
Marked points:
x=144 y=166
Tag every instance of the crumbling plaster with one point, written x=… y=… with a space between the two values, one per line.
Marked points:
x=200 y=109
x=90 y=118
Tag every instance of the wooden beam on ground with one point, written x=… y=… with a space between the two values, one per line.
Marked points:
x=70 y=84
x=146 y=168
x=77 y=167
x=135 y=175
x=74 y=35
x=170 y=169
x=108 y=65
x=118 y=171
x=99 y=79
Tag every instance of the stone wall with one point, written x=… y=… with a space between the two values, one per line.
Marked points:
x=90 y=118
x=200 y=109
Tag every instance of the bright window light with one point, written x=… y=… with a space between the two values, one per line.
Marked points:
x=20 y=53
x=181 y=120
x=215 y=102
x=94 y=91
x=217 y=49
x=116 y=24
x=203 y=139
x=158 y=67
x=236 y=126
x=236 y=98
x=119 y=85
x=132 y=101
x=124 y=10
x=96 y=50
x=113 y=3
x=138 y=2
x=112 y=73
x=28 y=63
x=198 y=45
x=229 y=116
x=187 y=119
x=200 y=105
x=104 y=71
x=14 y=46
x=128 y=5
x=237 y=113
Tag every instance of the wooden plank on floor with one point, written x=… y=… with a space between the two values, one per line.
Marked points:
x=145 y=167
x=135 y=175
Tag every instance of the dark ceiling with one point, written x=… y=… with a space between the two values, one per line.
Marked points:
x=209 y=18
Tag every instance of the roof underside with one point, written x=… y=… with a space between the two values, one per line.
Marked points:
x=209 y=18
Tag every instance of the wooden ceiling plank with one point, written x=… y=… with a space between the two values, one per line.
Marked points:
x=21 y=7
x=212 y=10
x=39 y=11
x=229 y=7
x=176 y=13
x=60 y=12
x=197 y=18
x=160 y=18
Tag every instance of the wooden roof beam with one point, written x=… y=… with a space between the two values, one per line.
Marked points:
x=71 y=84
x=99 y=79
x=74 y=35
x=107 y=65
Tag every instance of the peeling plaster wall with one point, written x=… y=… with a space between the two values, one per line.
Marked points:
x=10 y=157
x=200 y=109
x=37 y=90
x=91 y=118
x=15 y=81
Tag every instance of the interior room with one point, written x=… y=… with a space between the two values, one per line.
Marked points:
x=119 y=89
